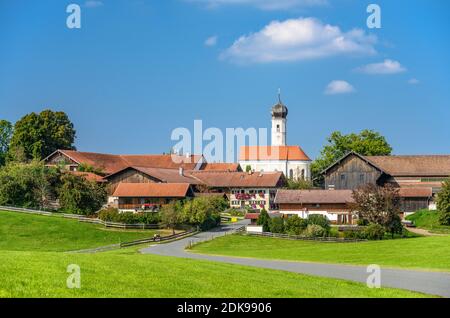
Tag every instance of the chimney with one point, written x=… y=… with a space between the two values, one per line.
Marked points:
x=181 y=171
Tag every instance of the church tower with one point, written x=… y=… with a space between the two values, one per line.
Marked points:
x=279 y=118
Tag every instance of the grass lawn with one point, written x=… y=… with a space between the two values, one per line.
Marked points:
x=431 y=253
x=125 y=273
x=25 y=232
x=34 y=264
x=429 y=220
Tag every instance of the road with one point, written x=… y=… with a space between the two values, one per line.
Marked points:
x=434 y=283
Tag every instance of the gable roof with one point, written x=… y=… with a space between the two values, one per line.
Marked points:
x=425 y=165
x=152 y=190
x=161 y=174
x=113 y=163
x=221 y=167
x=415 y=192
x=397 y=166
x=88 y=176
x=352 y=153
x=313 y=196
x=265 y=153
x=220 y=179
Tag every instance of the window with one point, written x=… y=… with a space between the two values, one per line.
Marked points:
x=278 y=128
x=343 y=181
x=303 y=174
x=362 y=178
x=291 y=174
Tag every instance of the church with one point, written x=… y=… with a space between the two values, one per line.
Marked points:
x=291 y=160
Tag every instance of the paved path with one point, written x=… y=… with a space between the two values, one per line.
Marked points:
x=424 y=232
x=434 y=283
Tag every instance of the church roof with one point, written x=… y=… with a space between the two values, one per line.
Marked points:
x=279 y=110
x=266 y=153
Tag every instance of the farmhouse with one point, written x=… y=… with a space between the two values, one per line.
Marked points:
x=245 y=189
x=418 y=177
x=335 y=204
x=144 y=196
x=291 y=160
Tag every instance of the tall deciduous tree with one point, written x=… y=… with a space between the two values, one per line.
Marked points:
x=38 y=135
x=6 y=130
x=80 y=196
x=379 y=205
x=443 y=203
x=366 y=143
x=171 y=215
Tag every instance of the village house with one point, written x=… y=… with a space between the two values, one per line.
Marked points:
x=419 y=178
x=254 y=190
x=292 y=161
x=147 y=196
x=333 y=204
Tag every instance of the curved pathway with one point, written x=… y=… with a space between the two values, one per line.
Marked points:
x=434 y=283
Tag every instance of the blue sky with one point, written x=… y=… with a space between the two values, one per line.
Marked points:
x=138 y=69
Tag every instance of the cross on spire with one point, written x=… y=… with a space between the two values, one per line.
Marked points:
x=279 y=96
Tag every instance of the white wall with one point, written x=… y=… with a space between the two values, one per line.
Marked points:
x=280 y=165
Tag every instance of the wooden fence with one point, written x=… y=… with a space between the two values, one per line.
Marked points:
x=304 y=238
x=81 y=218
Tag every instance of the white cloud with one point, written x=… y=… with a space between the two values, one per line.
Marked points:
x=263 y=4
x=211 y=41
x=299 y=39
x=93 y=3
x=413 y=81
x=339 y=87
x=385 y=67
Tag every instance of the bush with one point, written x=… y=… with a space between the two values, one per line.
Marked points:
x=80 y=196
x=295 y=225
x=27 y=185
x=277 y=225
x=314 y=230
x=374 y=232
x=234 y=212
x=113 y=215
x=202 y=212
x=443 y=204
x=362 y=222
x=264 y=220
x=333 y=232
x=317 y=219
x=356 y=234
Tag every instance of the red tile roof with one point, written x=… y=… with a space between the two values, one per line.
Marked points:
x=264 y=153
x=88 y=176
x=238 y=179
x=313 y=196
x=416 y=192
x=221 y=167
x=152 y=190
x=413 y=165
x=251 y=216
x=113 y=163
x=163 y=175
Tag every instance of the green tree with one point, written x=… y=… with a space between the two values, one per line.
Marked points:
x=379 y=205
x=6 y=130
x=318 y=219
x=80 y=196
x=277 y=225
x=264 y=220
x=171 y=215
x=299 y=184
x=38 y=135
x=27 y=185
x=366 y=143
x=443 y=203
x=295 y=225
x=201 y=212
